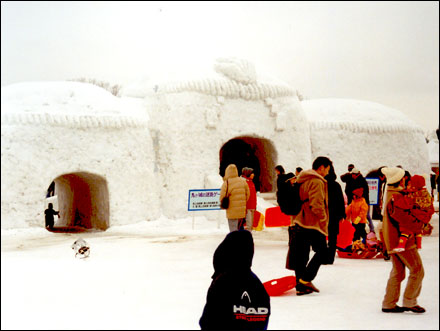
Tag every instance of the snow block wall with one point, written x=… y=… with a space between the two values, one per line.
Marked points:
x=120 y=160
x=367 y=134
x=102 y=164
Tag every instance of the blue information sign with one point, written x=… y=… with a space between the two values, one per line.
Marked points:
x=204 y=199
x=373 y=188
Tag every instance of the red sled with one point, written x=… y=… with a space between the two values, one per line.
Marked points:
x=278 y=286
x=275 y=217
x=360 y=255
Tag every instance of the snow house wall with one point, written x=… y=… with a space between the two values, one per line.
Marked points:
x=108 y=157
x=191 y=127
x=367 y=134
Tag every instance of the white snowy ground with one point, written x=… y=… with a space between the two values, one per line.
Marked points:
x=155 y=275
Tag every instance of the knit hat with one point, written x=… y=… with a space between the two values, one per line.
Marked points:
x=355 y=171
x=393 y=174
x=358 y=192
x=417 y=182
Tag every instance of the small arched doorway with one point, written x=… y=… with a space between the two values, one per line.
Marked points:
x=83 y=202
x=253 y=152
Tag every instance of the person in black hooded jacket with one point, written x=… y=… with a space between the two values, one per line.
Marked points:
x=236 y=299
x=336 y=210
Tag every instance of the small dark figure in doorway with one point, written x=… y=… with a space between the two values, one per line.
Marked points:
x=51 y=190
x=49 y=214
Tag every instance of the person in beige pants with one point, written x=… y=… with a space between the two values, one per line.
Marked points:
x=409 y=258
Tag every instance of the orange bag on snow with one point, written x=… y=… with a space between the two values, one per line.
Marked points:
x=345 y=236
x=258 y=221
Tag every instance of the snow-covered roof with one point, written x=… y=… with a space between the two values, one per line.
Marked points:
x=356 y=115
x=68 y=103
x=227 y=77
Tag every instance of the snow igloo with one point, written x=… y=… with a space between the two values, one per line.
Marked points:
x=92 y=145
x=119 y=160
x=367 y=134
x=227 y=115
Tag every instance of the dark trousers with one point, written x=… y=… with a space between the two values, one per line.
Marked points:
x=360 y=232
x=50 y=223
x=301 y=241
x=332 y=240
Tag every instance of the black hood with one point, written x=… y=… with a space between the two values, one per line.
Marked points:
x=234 y=254
x=331 y=176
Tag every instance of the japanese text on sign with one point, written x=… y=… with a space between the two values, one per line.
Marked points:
x=204 y=199
x=373 y=190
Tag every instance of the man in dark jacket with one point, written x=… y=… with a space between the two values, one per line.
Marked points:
x=347 y=176
x=336 y=210
x=358 y=181
x=377 y=209
x=236 y=300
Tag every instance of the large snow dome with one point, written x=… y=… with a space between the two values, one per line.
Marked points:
x=232 y=114
x=94 y=146
x=365 y=133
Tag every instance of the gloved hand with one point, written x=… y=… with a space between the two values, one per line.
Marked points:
x=357 y=220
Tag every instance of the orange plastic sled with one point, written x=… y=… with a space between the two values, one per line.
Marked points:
x=275 y=217
x=278 y=286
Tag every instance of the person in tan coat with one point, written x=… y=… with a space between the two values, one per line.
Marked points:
x=409 y=258
x=238 y=192
x=310 y=226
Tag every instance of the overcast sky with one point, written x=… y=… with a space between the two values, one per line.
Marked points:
x=386 y=52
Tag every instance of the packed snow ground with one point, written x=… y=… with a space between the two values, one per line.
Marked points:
x=155 y=275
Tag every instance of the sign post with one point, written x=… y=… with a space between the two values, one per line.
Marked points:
x=204 y=199
x=373 y=191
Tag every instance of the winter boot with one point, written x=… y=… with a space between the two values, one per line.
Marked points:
x=301 y=289
x=309 y=285
x=402 y=242
x=415 y=309
x=396 y=309
x=419 y=241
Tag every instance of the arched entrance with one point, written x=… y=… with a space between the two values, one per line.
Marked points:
x=253 y=152
x=83 y=202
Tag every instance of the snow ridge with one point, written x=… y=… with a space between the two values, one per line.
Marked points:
x=230 y=89
x=74 y=121
x=365 y=127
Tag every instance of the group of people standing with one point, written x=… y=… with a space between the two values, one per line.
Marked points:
x=315 y=228
x=405 y=208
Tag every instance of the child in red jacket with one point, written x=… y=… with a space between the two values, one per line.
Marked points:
x=412 y=211
x=251 y=205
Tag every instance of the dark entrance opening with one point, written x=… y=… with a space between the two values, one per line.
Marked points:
x=83 y=202
x=253 y=152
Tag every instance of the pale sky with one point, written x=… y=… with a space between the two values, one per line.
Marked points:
x=386 y=52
